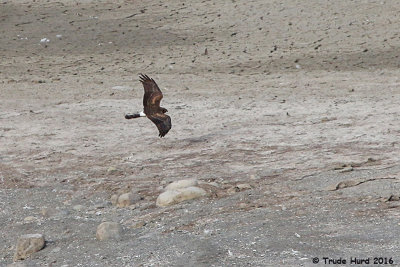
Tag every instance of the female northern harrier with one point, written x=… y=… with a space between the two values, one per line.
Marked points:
x=152 y=110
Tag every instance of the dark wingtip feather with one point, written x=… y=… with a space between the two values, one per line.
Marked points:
x=144 y=77
x=141 y=77
x=162 y=134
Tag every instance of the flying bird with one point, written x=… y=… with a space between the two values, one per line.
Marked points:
x=151 y=103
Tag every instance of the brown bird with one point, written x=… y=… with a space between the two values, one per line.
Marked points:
x=152 y=110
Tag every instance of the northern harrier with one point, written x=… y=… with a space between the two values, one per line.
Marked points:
x=152 y=110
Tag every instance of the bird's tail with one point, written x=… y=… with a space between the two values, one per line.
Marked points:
x=132 y=116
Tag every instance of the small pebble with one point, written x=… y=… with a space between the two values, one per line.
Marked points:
x=56 y=250
x=112 y=170
x=243 y=186
x=78 y=207
x=29 y=219
x=139 y=224
x=55 y=213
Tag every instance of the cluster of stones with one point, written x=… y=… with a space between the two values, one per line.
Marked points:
x=180 y=191
x=174 y=193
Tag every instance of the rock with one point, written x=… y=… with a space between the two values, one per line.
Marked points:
x=133 y=207
x=243 y=186
x=101 y=205
x=30 y=219
x=127 y=199
x=138 y=224
x=393 y=198
x=44 y=40
x=181 y=184
x=215 y=184
x=145 y=206
x=254 y=177
x=172 y=197
x=51 y=212
x=112 y=170
x=346 y=169
x=78 y=207
x=56 y=250
x=114 y=199
x=345 y=184
x=243 y=205
x=232 y=190
x=238 y=188
x=109 y=230
x=28 y=244
x=168 y=198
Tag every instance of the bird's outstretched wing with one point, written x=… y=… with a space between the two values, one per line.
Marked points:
x=152 y=93
x=162 y=121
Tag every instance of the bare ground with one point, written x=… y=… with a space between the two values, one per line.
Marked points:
x=298 y=99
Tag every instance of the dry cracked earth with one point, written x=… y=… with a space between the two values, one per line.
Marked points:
x=286 y=112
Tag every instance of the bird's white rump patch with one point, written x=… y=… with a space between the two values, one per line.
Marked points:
x=142 y=114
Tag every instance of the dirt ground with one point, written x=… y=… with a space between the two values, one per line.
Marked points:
x=296 y=99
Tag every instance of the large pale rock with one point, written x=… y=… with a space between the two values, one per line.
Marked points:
x=181 y=184
x=109 y=230
x=172 y=197
x=168 y=198
x=28 y=244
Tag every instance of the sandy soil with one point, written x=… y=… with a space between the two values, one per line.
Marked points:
x=298 y=99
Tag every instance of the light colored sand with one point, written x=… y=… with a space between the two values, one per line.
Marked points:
x=287 y=89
